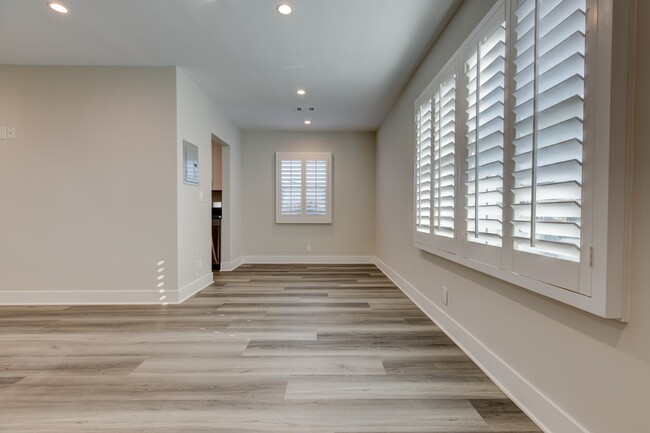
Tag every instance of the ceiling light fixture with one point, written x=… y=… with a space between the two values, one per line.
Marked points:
x=58 y=7
x=307 y=122
x=284 y=9
x=301 y=92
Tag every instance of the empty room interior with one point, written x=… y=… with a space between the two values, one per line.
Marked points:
x=324 y=216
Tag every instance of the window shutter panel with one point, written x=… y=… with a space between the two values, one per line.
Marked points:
x=485 y=69
x=444 y=156
x=316 y=187
x=290 y=187
x=423 y=167
x=549 y=42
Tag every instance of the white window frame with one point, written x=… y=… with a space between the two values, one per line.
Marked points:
x=303 y=217
x=603 y=275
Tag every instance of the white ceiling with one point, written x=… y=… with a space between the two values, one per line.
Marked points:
x=353 y=57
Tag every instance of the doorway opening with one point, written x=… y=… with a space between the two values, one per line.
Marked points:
x=217 y=202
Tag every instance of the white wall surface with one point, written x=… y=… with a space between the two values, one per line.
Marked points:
x=87 y=202
x=232 y=227
x=353 y=195
x=198 y=119
x=596 y=371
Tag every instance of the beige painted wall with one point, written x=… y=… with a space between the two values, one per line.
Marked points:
x=198 y=119
x=353 y=195
x=87 y=201
x=596 y=370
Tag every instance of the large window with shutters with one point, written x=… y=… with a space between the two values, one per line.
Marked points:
x=303 y=187
x=532 y=191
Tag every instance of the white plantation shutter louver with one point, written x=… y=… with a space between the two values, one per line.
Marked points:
x=549 y=81
x=423 y=167
x=444 y=158
x=436 y=180
x=485 y=70
x=303 y=187
x=316 y=187
x=290 y=187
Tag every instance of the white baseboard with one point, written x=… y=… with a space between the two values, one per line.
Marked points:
x=108 y=297
x=309 y=259
x=544 y=412
x=195 y=287
x=232 y=265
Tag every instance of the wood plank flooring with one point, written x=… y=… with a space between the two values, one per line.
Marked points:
x=267 y=348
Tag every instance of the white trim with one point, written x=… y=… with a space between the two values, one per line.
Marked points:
x=232 y=265
x=566 y=296
x=195 y=287
x=309 y=259
x=629 y=162
x=541 y=409
x=105 y=297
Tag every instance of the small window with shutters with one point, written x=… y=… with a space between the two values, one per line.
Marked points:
x=520 y=151
x=303 y=187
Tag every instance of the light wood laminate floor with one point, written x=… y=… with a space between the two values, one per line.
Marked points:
x=267 y=348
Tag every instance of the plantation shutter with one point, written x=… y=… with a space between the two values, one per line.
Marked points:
x=423 y=167
x=549 y=114
x=444 y=156
x=290 y=187
x=485 y=69
x=524 y=176
x=303 y=187
x=316 y=187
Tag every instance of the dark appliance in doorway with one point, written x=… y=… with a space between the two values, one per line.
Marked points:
x=216 y=238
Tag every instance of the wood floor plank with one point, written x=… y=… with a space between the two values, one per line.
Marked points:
x=10 y=380
x=69 y=365
x=151 y=387
x=503 y=415
x=289 y=417
x=391 y=387
x=263 y=366
x=267 y=348
x=430 y=364
x=349 y=415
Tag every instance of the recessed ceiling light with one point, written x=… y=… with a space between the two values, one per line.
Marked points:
x=301 y=92
x=307 y=122
x=58 y=7
x=284 y=9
